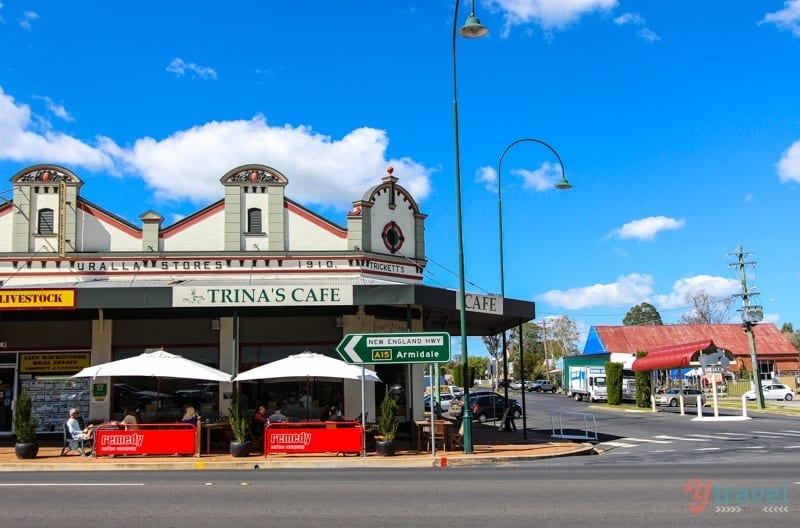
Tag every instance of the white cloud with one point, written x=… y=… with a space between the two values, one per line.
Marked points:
x=549 y=14
x=26 y=19
x=628 y=290
x=787 y=18
x=56 y=109
x=636 y=288
x=715 y=287
x=647 y=228
x=648 y=34
x=178 y=66
x=636 y=19
x=488 y=177
x=629 y=18
x=542 y=179
x=189 y=163
x=23 y=142
x=789 y=165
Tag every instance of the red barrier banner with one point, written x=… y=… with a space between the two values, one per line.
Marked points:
x=145 y=439
x=322 y=437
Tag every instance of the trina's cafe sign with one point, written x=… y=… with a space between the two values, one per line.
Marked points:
x=278 y=295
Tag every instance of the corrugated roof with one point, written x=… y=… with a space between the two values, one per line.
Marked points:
x=770 y=342
x=677 y=356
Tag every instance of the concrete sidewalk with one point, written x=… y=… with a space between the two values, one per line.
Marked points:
x=490 y=446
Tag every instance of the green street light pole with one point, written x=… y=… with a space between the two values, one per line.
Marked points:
x=471 y=29
x=563 y=185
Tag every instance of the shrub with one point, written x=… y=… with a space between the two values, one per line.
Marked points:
x=24 y=423
x=614 y=382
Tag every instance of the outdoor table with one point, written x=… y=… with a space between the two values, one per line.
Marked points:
x=424 y=431
x=219 y=426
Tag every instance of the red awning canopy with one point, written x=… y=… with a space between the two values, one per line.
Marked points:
x=676 y=356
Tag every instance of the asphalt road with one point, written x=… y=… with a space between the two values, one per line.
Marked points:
x=667 y=436
x=669 y=495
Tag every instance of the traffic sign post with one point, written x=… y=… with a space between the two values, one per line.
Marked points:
x=419 y=347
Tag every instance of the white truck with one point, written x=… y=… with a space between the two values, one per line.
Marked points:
x=587 y=383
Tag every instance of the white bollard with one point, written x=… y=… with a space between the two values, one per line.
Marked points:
x=699 y=404
x=744 y=406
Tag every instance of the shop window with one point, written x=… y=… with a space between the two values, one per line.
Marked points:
x=45 y=222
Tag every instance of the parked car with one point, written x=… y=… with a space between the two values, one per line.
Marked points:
x=445 y=400
x=541 y=385
x=490 y=406
x=517 y=385
x=671 y=397
x=773 y=391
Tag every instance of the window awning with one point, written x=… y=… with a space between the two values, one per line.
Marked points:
x=677 y=356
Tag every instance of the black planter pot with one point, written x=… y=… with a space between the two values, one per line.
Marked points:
x=384 y=447
x=240 y=449
x=27 y=450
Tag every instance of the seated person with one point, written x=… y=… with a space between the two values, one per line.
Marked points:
x=277 y=416
x=259 y=421
x=74 y=426
x=128 y=418
x=327 y=412
x=335 y=415
x=189 y=415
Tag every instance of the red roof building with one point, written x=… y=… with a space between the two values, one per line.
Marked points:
x=774 y=352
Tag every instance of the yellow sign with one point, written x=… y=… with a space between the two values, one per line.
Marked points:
x=53 y=363
x=382 y=355
x=28 y=299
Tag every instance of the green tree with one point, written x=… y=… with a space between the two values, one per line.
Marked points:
x=494 y=345
x=644 y=314
x=614 y=382
x=793 y=337
x=643 y=389
x=533 y=351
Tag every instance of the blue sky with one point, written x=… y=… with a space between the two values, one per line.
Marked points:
x=678 y=124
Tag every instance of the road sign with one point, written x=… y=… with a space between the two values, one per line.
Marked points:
x=419 y=347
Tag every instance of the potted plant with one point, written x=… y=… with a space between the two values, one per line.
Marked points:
x=25 y=427
x=386 y=427
x=240 y=445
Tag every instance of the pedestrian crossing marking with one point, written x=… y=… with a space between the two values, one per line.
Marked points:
x=781 y=433
x=682 y=438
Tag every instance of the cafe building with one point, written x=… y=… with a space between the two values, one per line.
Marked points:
x=249 y=279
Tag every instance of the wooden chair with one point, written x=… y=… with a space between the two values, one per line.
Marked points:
x=439 y=436
x=81 y=445
x=455 y=437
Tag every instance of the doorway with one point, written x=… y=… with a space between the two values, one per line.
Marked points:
x=7 y=375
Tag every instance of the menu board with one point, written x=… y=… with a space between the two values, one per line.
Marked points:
x=53 y=397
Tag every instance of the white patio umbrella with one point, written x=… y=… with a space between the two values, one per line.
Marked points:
x=307 y=365
x=157 y=364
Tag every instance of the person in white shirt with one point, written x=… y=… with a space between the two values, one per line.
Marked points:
x=74 y=426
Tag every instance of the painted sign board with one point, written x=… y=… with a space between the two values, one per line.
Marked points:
x=404 y=347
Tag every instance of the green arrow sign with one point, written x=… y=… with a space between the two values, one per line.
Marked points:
x=420 y=347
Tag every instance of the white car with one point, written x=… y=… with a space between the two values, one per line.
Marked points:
x=445 y=400
x=773 y=391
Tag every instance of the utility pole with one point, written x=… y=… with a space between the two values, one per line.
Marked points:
x=751 y=315
x=544 y=341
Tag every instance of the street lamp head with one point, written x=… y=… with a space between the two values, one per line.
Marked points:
x=563 y=185
x=473 y=28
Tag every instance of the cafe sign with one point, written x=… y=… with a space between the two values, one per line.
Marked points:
x=263 y=296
